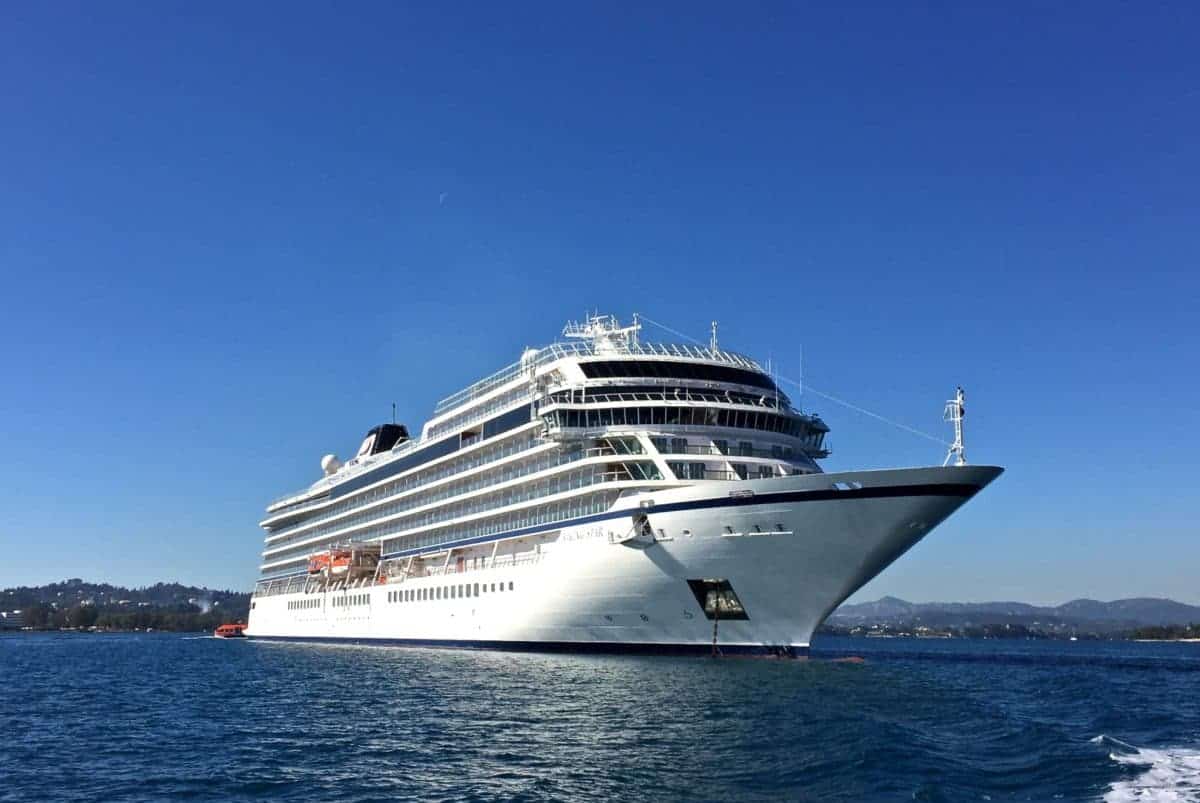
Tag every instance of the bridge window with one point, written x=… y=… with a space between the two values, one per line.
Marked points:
x=656 y=369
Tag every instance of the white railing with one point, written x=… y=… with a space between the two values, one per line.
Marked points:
x=556 y=351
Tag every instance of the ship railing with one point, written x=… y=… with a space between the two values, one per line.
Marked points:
x=499 y=562
x=732 y=451
x=556 y=351
x=767 y=401
x=560 y=483
x=301 y=531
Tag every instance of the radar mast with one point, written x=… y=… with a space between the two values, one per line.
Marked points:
x=605 y=332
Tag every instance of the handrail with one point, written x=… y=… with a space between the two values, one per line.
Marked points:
x=556 y=351
x=515 y=496
x=690 y=396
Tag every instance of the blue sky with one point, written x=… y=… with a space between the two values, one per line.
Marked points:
x=231 y=236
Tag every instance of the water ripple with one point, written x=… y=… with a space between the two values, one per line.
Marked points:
x=154 y=717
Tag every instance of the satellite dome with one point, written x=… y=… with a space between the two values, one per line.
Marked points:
x=330 y=464
x=528 y=356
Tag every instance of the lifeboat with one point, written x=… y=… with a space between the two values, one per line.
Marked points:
x=230 y=631
x=336 y=562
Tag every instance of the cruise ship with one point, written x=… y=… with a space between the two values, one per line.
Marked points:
x=599 y=494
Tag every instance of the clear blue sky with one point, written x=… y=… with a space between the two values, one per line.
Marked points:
x=231 y=235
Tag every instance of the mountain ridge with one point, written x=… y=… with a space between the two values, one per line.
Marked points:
x=1113 y=615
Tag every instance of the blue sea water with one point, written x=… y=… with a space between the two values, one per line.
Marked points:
x=168 y=717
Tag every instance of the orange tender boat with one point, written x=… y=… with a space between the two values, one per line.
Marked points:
x=230 y=631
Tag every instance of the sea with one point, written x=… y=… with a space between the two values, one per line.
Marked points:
x=149 y=717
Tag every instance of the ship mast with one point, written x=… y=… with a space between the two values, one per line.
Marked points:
x=954 y=413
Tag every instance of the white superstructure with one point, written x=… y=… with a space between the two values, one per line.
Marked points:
x=601 y=493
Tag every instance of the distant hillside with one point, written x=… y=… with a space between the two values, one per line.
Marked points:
x=162 y=606
x=1092 y=615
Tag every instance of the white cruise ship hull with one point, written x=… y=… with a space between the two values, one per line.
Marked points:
x=791 y=548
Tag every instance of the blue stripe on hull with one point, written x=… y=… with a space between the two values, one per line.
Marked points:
x=582 y=647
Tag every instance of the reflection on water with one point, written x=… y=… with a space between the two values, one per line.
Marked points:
x=157 y=716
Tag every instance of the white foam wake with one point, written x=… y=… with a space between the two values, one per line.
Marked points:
x=1171 y=774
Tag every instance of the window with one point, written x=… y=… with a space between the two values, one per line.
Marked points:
x=477 y=589
x=722 y=446
x=510 y=585
x=675 y=370
x=493 y=587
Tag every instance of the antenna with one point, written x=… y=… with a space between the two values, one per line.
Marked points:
x=954 y=413
x=393 y=412
x=712 y=341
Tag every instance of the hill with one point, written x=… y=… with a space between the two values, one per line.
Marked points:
x=1086 y=615
x=75 y=603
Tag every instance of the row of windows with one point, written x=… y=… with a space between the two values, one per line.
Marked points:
x=351 y=599
x=304 y=604
x=584 y=505
x=665 y=392
x=721 y=447
x=462 y=419
x=663 y=369
x=413 y=481
x=686 y=416
x=426 y=452
x=510 y=471
x=741 y=471
x=559 y=483
x=462 y=590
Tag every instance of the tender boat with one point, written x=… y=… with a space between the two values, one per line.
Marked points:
x=230 y=631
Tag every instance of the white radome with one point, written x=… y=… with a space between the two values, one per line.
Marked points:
x=330 y=464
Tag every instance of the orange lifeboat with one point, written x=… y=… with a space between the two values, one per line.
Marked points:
x=230 y=631
x=335 y=562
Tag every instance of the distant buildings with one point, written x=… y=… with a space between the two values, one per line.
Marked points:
x=11 y=620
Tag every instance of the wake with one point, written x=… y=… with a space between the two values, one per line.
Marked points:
x=1171 y=774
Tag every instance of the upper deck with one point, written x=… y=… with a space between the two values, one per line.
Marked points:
x=559 y=350
x=600 y=337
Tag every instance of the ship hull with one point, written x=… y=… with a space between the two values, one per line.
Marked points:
x=790 y=548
